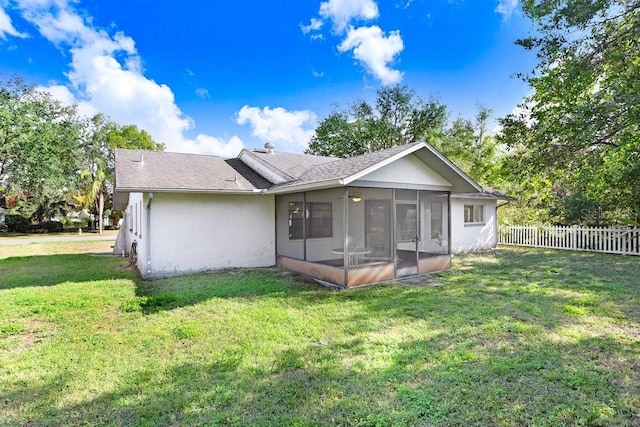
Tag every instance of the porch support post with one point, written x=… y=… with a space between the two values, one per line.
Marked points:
x=304 y=226
x=394 y=241
x=449 y=222
x=345 y=218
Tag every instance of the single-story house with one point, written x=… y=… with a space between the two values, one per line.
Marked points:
x=365 y=219
x=3 y=207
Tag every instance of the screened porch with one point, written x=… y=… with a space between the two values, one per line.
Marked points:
x=352 y=236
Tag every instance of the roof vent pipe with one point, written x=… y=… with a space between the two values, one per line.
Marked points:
x=269 y=147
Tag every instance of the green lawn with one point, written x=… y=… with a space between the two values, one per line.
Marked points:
x=508 y=338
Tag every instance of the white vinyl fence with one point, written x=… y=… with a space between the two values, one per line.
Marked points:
x=615 y=240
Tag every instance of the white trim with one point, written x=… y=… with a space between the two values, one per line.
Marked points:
x=263 y=168
x=400 y=186
x=456 y=169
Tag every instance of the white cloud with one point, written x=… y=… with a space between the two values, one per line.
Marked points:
x=294 y=129
x=106 y=75
x=369 y=45
x=315 y=25
x=506 y=8
x=7 y=28
x=341 y=12
x=202 y=93
x=375 y=51
x=206 y=144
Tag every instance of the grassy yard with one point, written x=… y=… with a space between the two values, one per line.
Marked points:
x=509 y=338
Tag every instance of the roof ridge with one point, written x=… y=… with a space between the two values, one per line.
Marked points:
x=135 y=150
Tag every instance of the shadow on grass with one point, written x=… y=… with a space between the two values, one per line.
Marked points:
x=483 y=349
x=527 y=277
x=166 y=294
x=432 y=382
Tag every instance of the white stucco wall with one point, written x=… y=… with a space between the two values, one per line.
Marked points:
x=198 y=232
x=133 y=229
x=473 y=237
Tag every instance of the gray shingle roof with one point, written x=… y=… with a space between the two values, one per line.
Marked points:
x=338 y=169
x=161 y=171
x=293 y=164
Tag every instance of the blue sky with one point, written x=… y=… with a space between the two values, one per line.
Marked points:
x=214 y=78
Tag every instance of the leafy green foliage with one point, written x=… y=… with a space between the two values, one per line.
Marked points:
x=48 y=154
x=399 y=117
x=101 y=139
x=580 y=128
x=39 y=153
x=471 y=147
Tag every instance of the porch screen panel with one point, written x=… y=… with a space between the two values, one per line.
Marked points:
x=319 y=219
x=324 y=225
x=296 y=218
x=434 y=225
x=370 y=216
x=378 y=231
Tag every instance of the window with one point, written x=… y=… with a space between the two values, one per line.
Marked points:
x=473 y=213
x=317 y=221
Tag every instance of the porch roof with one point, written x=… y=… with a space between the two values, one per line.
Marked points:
x=340 y=172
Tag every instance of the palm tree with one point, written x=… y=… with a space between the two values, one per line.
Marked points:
x=96 y=178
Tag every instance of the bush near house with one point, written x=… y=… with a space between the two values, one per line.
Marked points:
x=19 y=224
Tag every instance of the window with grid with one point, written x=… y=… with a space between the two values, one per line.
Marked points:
x=473 y=213
x=318 y=221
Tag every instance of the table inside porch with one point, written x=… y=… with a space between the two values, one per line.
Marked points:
x=354 y=254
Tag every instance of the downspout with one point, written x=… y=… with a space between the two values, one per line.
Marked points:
x=496 y=221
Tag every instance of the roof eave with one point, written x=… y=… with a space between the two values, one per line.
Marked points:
x=187 y=190
x=296 y=188
x=455 y=168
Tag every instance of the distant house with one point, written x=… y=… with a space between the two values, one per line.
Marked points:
x=3 y=208
x=364 y=219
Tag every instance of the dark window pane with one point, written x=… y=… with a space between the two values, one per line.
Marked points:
x=319 y=220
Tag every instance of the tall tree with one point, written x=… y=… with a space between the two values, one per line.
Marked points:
x=580 y=127
x=101 y=138
x=471 y=146
x=38 y=144
x=399 y=117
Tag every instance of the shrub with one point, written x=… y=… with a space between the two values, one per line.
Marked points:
x=17 y=223
x=51 y=227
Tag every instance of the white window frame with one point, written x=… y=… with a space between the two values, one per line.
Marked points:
x=473 y=214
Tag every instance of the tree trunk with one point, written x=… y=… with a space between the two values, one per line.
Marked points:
x=100 y=212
